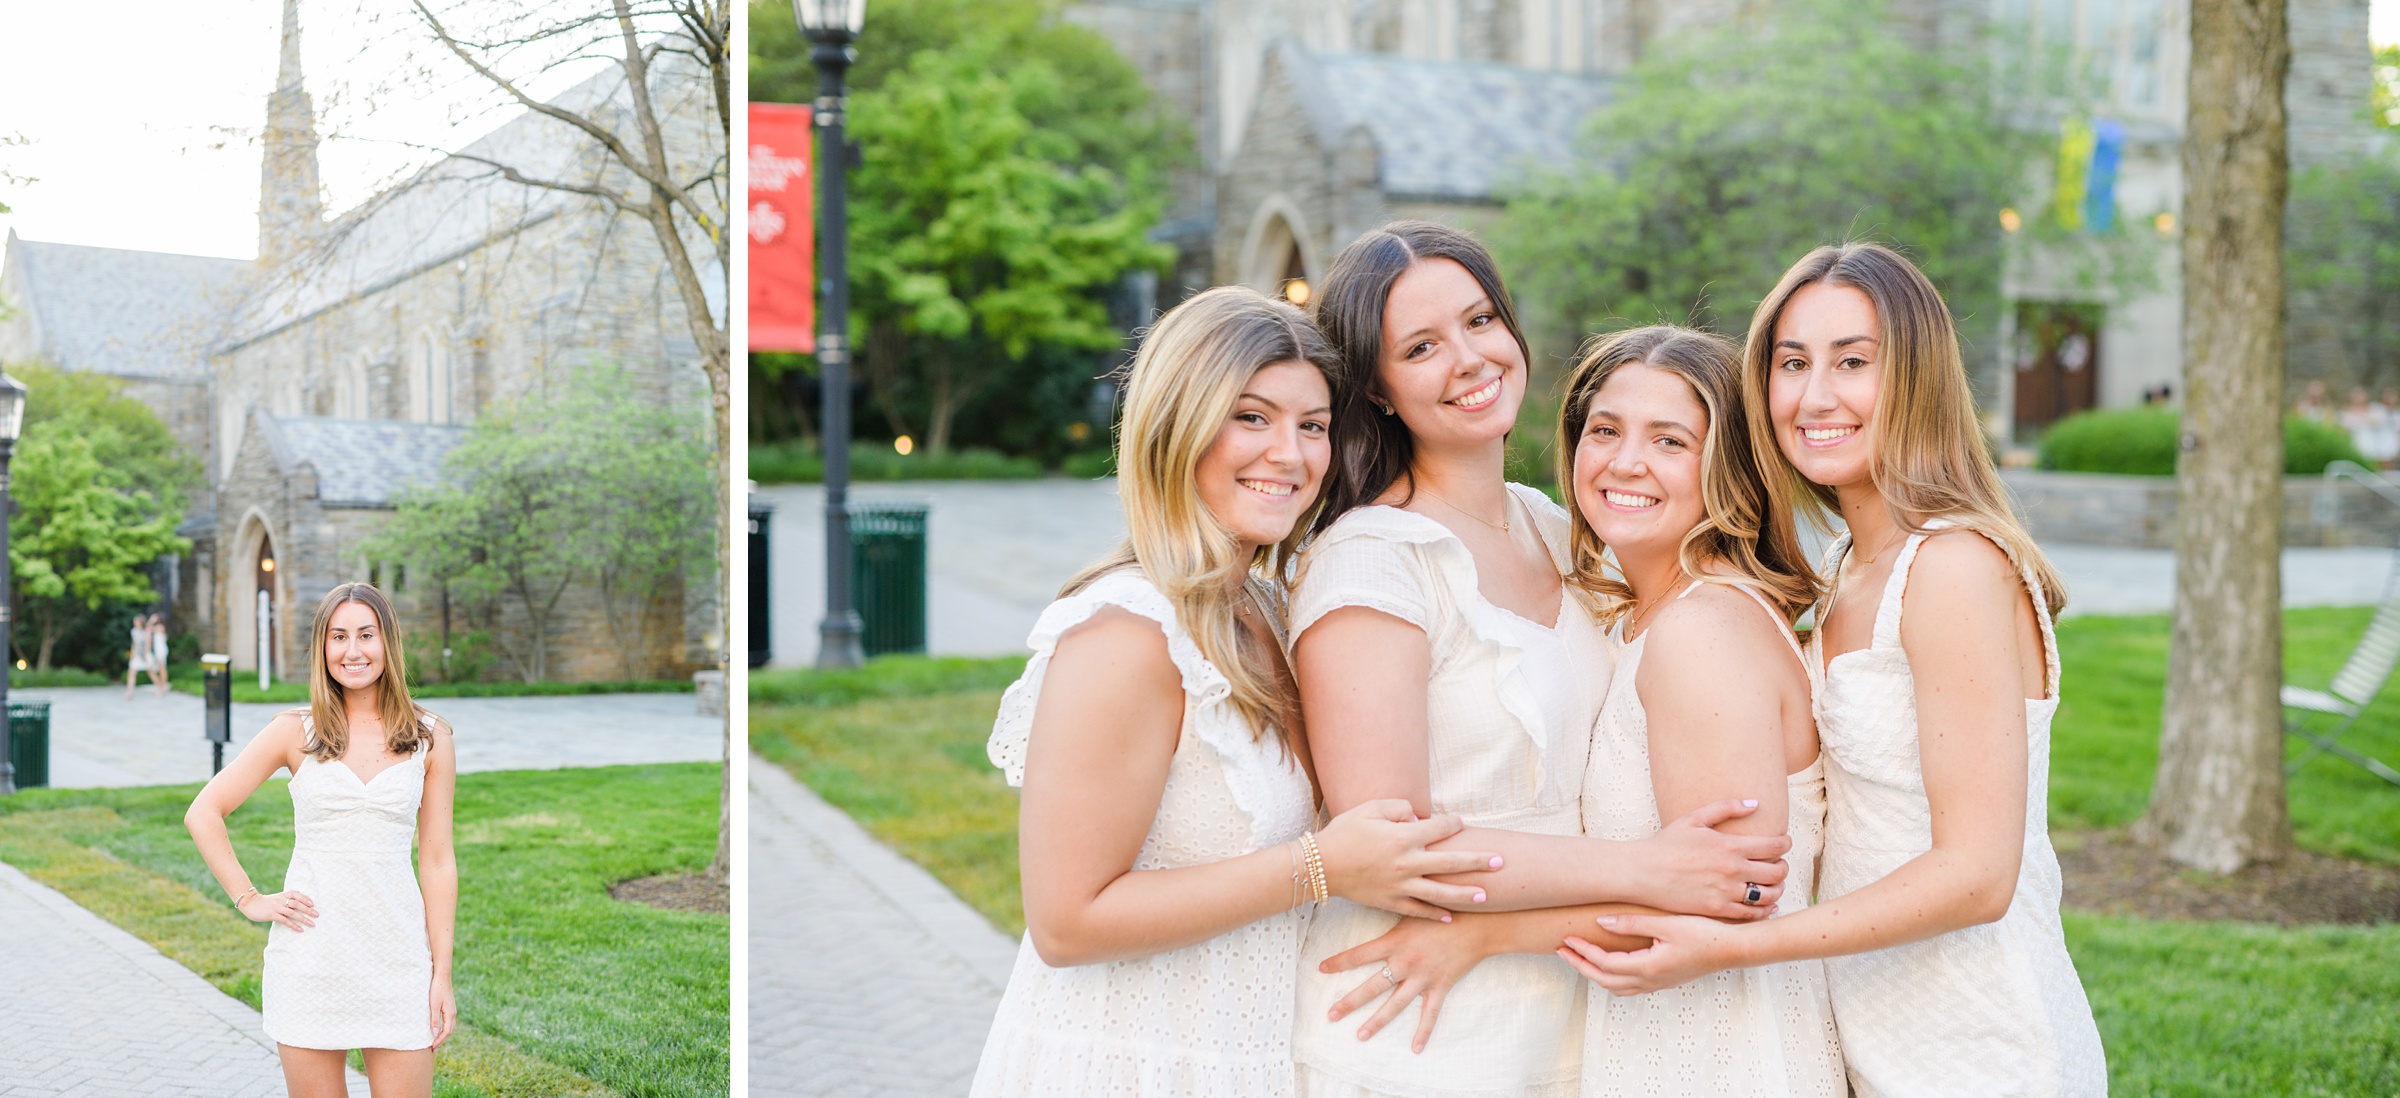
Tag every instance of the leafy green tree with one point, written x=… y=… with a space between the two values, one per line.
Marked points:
x=2384 y=100
x=641 y=474
x=99 y=483
x=2343 y=253
x=1013 y=167
x=1727 y=156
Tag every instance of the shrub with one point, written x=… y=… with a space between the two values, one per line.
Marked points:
x=2143 y=442
x=1090 y=464
x=799 y=463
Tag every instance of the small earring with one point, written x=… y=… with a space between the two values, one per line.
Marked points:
x=1387 y=409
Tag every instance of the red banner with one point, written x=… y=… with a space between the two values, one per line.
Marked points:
x=781 y=221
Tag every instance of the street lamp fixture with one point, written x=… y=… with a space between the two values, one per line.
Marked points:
x=12 y=420
x=832 y=25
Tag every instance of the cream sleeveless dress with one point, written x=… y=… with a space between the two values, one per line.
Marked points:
x=1209 y=1019
x=1510 y=706
x=1994 y=1009
x=362 y=977
x=1765 y=1030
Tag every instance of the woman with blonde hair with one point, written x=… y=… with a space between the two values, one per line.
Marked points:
x=359 y=953
x=1443 y=659
x=1165 y=834
x=1938 y=891
x=1673 y=540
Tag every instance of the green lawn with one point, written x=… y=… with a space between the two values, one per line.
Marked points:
x=564 y=991
x=185 y=678
x=2185 y=1008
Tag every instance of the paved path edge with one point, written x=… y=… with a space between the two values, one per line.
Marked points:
x=926 y=901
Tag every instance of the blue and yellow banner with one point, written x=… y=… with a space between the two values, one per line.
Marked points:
x=2088 y=154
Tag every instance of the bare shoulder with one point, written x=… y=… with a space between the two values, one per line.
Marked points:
x=1716 y=631
x=1117 y=645
x=287 y=728
x=437 y=728
x=1957 y=567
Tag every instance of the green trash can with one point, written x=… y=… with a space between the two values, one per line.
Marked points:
x=29 y=742
x=887 y=571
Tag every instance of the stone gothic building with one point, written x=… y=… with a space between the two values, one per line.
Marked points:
x=1316 y=120
x=319 y=381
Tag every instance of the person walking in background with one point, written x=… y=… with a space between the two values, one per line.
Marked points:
x=2371 y=428
x=359 y=954
x=158 y=653
x=2389 y=402
x=2314 y=403
x=137 y=654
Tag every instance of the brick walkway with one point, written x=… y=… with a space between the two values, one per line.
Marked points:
x=88 y=1009
x=868 y=978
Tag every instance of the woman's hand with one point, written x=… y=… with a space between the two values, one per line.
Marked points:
x=443 y=1009
x=1421 y=958
x=1682 y=949
x=292 y=909
x=1698 y=870
x=1375 y=855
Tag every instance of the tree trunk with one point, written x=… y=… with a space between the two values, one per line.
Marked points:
x=2218 y=802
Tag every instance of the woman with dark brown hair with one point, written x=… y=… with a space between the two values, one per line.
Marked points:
x=359 y=954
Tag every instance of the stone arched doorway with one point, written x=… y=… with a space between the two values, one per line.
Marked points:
x=254 y=604
x=1277 y=257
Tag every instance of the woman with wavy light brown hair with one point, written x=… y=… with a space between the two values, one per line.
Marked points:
x=1937 y=911
x=1165 y=830
x=359 y=953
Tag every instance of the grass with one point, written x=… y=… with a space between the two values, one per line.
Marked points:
x=185 y=678
x=563 y=991
x=796 y=462
x=2105 y=740
x=2184 y=1008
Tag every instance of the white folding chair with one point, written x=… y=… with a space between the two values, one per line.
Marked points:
x=2322 y=716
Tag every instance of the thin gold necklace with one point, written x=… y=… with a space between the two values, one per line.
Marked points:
x=1501 y=525
x=1887 y=547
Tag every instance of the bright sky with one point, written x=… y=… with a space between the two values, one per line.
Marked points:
x=143 y=127
x=2383 y=22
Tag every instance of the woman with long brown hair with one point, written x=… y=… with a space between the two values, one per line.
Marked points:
x=1166 y=834
x=1938 y=892
x=359 y=953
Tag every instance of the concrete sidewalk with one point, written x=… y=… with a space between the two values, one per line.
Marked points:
x=99 y=738
x=868 y=978
x=88 y=1009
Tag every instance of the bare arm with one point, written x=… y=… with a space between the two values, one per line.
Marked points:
x=1363 y=677
x=1104 y=736
x=276 y=747
x=437 y=874
x=1964 y=637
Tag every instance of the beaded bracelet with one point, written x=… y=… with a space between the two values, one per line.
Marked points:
x=1316 y=866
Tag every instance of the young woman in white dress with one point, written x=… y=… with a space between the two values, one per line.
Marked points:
x=1441 y=659
x=158 y=652
x=359 y=953
x=1938 y=891
x=137 y=657
x=1164 y=836
x=1711 y=698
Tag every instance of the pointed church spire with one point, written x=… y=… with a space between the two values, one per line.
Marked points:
x=289 y=207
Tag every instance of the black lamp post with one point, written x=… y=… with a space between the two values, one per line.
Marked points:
x=12 y=419
x=832 y=25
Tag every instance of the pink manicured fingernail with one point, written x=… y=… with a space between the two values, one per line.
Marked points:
x=1479 y=897
x=1495 y=861
x=1362 y=1033
x=1749 y=804
x=1609 y=921
x=1445 y=918
x=1333 y=1015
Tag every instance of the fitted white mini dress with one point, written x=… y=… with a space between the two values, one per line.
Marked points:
x=1764 y=1030
x=1213 y=1019
x=1509 y=706
x=1994 y=1009
x=362 y=977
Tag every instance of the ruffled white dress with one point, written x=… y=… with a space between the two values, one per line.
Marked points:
x=1209 y=1019
x=362 y=977
x=1764 y=1030
x=1510 y=706
x=1986 y=1010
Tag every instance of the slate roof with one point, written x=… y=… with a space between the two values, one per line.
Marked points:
x=121 y=312
x=1444 y=129
x=360 y=462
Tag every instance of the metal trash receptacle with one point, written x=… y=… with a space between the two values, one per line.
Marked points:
x=762 y=602
x=29 y=742
x=887 y=561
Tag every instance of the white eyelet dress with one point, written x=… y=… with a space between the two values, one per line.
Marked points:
x=362 y=977
x=1994 y=1009
x=1509 y=710
x=1765 y=1030
x=1211 y=1019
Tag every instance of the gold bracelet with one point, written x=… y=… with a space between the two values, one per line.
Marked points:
x=1293 y=849
x=1316 y=866
x=246 y=894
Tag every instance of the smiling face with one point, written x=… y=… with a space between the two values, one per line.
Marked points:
x=353 y=646
x=1447 y=366
x=1637 y=463
x=1823 y=378
x=1262 y=473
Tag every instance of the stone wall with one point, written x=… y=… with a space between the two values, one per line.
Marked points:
x=2139 y=512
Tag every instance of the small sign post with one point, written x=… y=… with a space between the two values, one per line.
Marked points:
x=216 y=721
